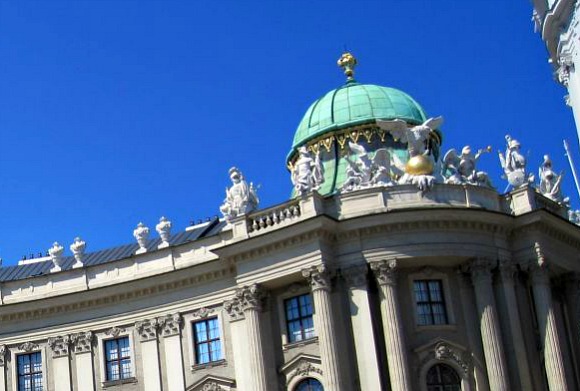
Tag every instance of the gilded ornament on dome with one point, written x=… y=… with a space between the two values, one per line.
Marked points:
x=347 y=62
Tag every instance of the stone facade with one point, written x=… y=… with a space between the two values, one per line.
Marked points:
x=507 y=274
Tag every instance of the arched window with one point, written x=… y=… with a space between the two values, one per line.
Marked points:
x=309 y=384
x=442 y=377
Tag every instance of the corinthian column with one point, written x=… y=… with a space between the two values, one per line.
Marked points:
x=319 y=279
x=248 y=304
x=385 y=272
x=547 y=323
x=489 y=325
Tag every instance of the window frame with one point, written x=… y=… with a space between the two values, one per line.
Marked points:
x=31 y=373
x=432 y=274
x=291 y=291
x=189 y=320
x=431 y=303
x=102 y=338
x=118 y=360
x=208 y=341
x=15 y=352
x=300 y=318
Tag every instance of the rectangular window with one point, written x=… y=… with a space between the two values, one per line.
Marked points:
x=208 y=347
x=430 y=302
x=118 y=359
x=29 y=372
x=299 y=318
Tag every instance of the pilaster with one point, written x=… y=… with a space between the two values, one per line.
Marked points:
x=82 y=346
x=171 y=331
x=3 y=351
x=386 y=275
x=362 y=328
x=59 y=348
x=147 y=330
x=490 y=330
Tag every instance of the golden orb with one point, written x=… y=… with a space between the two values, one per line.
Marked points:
x=419 y=165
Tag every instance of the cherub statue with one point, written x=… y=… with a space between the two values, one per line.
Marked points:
x=241 y=198
x=307 y=173
x=364 y=172
x=459 y=169
x=550 y=182
x=514 y=164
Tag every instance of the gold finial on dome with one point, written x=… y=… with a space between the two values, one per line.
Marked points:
x=347 y=62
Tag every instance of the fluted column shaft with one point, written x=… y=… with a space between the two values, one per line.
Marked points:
x=385 y=272
x=547 y=324
x=490 y=331
x=324 y=323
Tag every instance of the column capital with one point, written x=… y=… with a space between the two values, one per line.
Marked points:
x=318 y=276
x=356 y=276
x=147 y=329
x=59 y=345
x=507 y=271
x=480 y=269
x=385 y=271
x=246 y=298
x=2 y=355
x=538 y=266
x=170 y=324
x=82 y=342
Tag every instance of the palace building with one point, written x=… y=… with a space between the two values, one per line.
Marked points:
x=394 y=265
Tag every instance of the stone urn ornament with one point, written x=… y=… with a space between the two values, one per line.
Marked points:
x=78 y=249
x=141 y=234
x=55 y=253
x=164 y=230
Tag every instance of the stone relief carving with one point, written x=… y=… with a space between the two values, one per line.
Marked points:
x=141 y=234
x=241 y=198
x=55 y=253
x=307 y=172
x=203 y=312
x=461 y=168
x=212 y=386
x=385 y=271
x=514 y=164
x=78 y=249
x=234 y=309
x=82 y=342
x=443 y=351
x=550 y=182
x=114 y=331
x=59 y=345
x=163 y=228
x=28 y=347
x=170 y=324
x=303 y=369
x=147 y=329
x=365 y=172
x=318 y=276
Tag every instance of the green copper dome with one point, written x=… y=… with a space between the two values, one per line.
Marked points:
x=355 y=104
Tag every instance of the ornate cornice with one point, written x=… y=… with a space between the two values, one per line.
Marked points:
x=59 y=346
x=319 y=277
x=170 y=324
x=82 y=342
x=385 y=271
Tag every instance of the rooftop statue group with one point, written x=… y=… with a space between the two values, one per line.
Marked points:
x=241 y=197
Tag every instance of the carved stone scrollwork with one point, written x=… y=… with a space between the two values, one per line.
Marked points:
x=234 y=309
x=82 y=342
x=170 y=324
x=445 y=352
x=246 y=298
x=147 y=329
x=212 y=386
x=114 y=331
x=318 y=276
x=59 y=346
x=203 y=312
x=2 y=355
x=28 y=347
x=356 y=276
x=480 y=269
x=304 y=369
x=385 y=271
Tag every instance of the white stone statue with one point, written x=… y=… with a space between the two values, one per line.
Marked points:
x=141 y=234
x=78 y=249
x=307 y=173
x=550 y=182
x=241 y=198
x=461 y=169
x=55 y=253
x=163 y=228
x=574 y=216
x=420 y=166
x=514 y=164
x=364 y=172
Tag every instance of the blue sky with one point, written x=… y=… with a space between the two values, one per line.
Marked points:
x=115 y=112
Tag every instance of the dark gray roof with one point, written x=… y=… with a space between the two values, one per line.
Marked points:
x=19 y=272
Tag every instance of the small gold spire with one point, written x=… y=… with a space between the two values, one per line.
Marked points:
x=347 y=62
